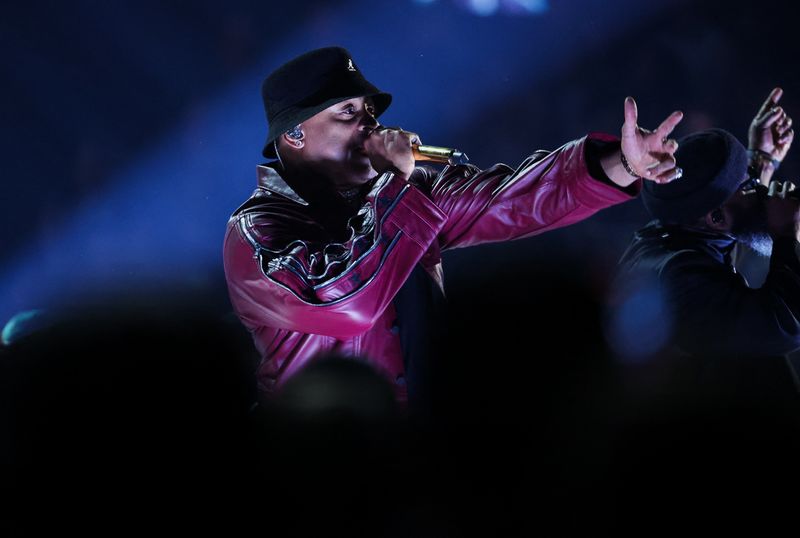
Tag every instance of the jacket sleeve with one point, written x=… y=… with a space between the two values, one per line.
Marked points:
x=547 y=191
x=335 y=289
x=719 y=313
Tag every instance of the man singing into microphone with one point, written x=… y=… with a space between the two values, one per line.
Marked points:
x=338 y=250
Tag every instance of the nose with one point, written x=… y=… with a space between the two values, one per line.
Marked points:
x=368 y=122
x=368 y=119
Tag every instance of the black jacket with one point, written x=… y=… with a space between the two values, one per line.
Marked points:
x=723 y=337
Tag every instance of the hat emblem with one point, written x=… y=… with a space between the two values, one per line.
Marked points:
x=350 y=66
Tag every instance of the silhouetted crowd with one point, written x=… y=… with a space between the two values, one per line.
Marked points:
x=130 y=419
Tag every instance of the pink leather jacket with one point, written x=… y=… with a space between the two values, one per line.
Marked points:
x=301 y=294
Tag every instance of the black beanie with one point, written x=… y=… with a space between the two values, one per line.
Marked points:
x=714 y=165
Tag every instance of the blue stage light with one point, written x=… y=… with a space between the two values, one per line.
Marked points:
x=641 y=326
x=525 y=6
x=483 y=7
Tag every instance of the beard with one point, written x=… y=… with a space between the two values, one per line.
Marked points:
x=760 y=243
x=750 y=229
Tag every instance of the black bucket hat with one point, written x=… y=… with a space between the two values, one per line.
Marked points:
x=714 y=165
x=308 y=85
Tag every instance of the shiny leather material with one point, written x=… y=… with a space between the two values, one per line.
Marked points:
x=302 y=293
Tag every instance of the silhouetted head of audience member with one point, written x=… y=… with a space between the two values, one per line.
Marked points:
x=114 y=399
x=333 y=451
x=337 y=388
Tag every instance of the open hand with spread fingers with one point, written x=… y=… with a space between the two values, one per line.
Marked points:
x=649 y=154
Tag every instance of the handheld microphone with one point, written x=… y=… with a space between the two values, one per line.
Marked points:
x=783 y=189
x=435 y=154
x=439 y=154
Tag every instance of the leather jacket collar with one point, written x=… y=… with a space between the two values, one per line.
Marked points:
x=269 y=179
x=718 y=245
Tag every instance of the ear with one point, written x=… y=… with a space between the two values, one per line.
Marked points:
x=294 y=139
x=717 y=220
